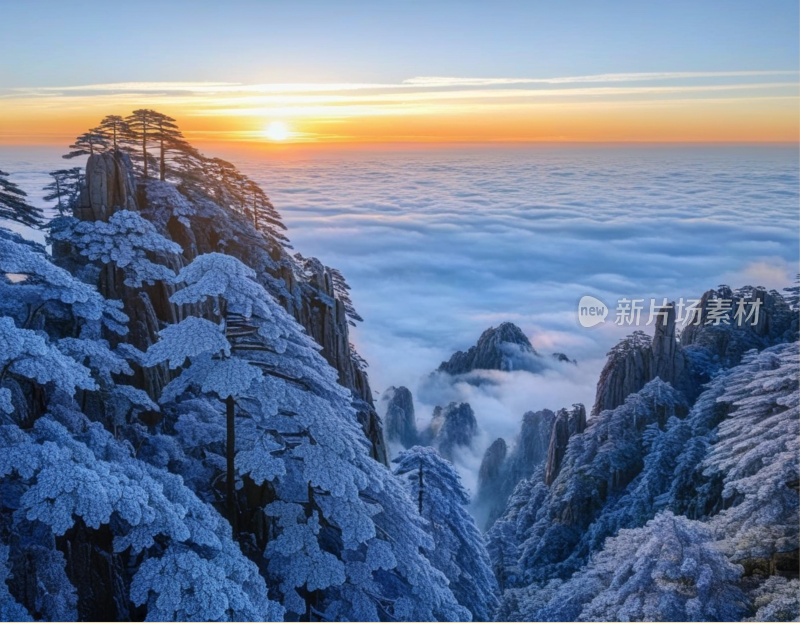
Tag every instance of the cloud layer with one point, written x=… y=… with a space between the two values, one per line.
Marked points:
x=440 y=245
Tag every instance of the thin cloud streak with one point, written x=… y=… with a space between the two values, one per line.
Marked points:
x=417 y=82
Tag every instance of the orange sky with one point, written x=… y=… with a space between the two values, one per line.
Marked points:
x=666 y=107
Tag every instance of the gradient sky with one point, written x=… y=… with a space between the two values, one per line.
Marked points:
x=361 y=71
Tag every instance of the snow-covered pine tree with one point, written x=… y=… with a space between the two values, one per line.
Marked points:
x=460 y=552
x=668 y=570
x=126 y=240
x=340 y=535
x=757 y=457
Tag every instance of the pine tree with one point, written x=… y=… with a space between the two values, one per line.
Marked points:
x=169 y=139
x=668 y=570
x=115 y=128
x=141 y=128
x=14 y=206
x=65 y=188
x=89 y=143
x=460 y=552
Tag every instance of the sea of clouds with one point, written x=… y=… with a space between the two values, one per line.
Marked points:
x=439 y=245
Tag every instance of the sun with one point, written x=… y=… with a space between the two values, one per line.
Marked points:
x=276 y=131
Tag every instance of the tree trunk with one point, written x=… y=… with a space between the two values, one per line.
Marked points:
x=230 y=453
x=163 y=163
x=420 y=490
x=144 y=146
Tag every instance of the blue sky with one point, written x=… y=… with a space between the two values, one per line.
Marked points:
x=335 y=41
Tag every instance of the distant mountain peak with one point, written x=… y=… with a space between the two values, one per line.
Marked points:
x=504 y=348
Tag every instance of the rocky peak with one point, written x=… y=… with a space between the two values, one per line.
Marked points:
x=533 y=440
x=688 y=362
x=566 y=424
x=638 y=359
x=452 y=427
x=399 y=423
x=502 y=348
x=110 y=186
x=726 y=342
x=492 y=462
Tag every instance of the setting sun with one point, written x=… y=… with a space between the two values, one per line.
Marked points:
x=276 y=131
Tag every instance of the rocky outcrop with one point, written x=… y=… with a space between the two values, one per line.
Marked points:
x=566 y=424
x=453 y=427
x=726 y=341
x=503 y=348
x=627 y=370
x=492 y=462
x=528 y=453
x=705 y=345
x=110 y=186
x=399 y=423
x=638 y=359
x=562 y=358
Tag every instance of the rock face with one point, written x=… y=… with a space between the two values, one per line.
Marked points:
x=725 y=343
x=689 y=362
x=110 y=186
x=529 y=453
x=503 y=348
x=567 y=424
x=638 y=359
x=305 y=290
x=452 y=427
x=399 y=423
x=492 y=461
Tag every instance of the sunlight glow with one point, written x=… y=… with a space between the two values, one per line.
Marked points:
x=276 y=131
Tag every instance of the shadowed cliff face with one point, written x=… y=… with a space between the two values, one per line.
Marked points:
x=399 y=423
x=453 y=427
x=305 y=290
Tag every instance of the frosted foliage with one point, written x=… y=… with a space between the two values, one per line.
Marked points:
x=668 y=570
x=6 y=406
x=757 y=452
x=26 y=354
x=46 y=283
x=561 y=525
x=224 y=377
x=189 y=338
x=193 y=570
x=182 y=586
x=126 y=399
x=230 y=377
x=218 y=275
x=166 y=198
x=776 y=599
x=126 y=240
x=302 y=436
x=10 y=610
x=97 y=355
x=333 y=539
x=459 y=549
